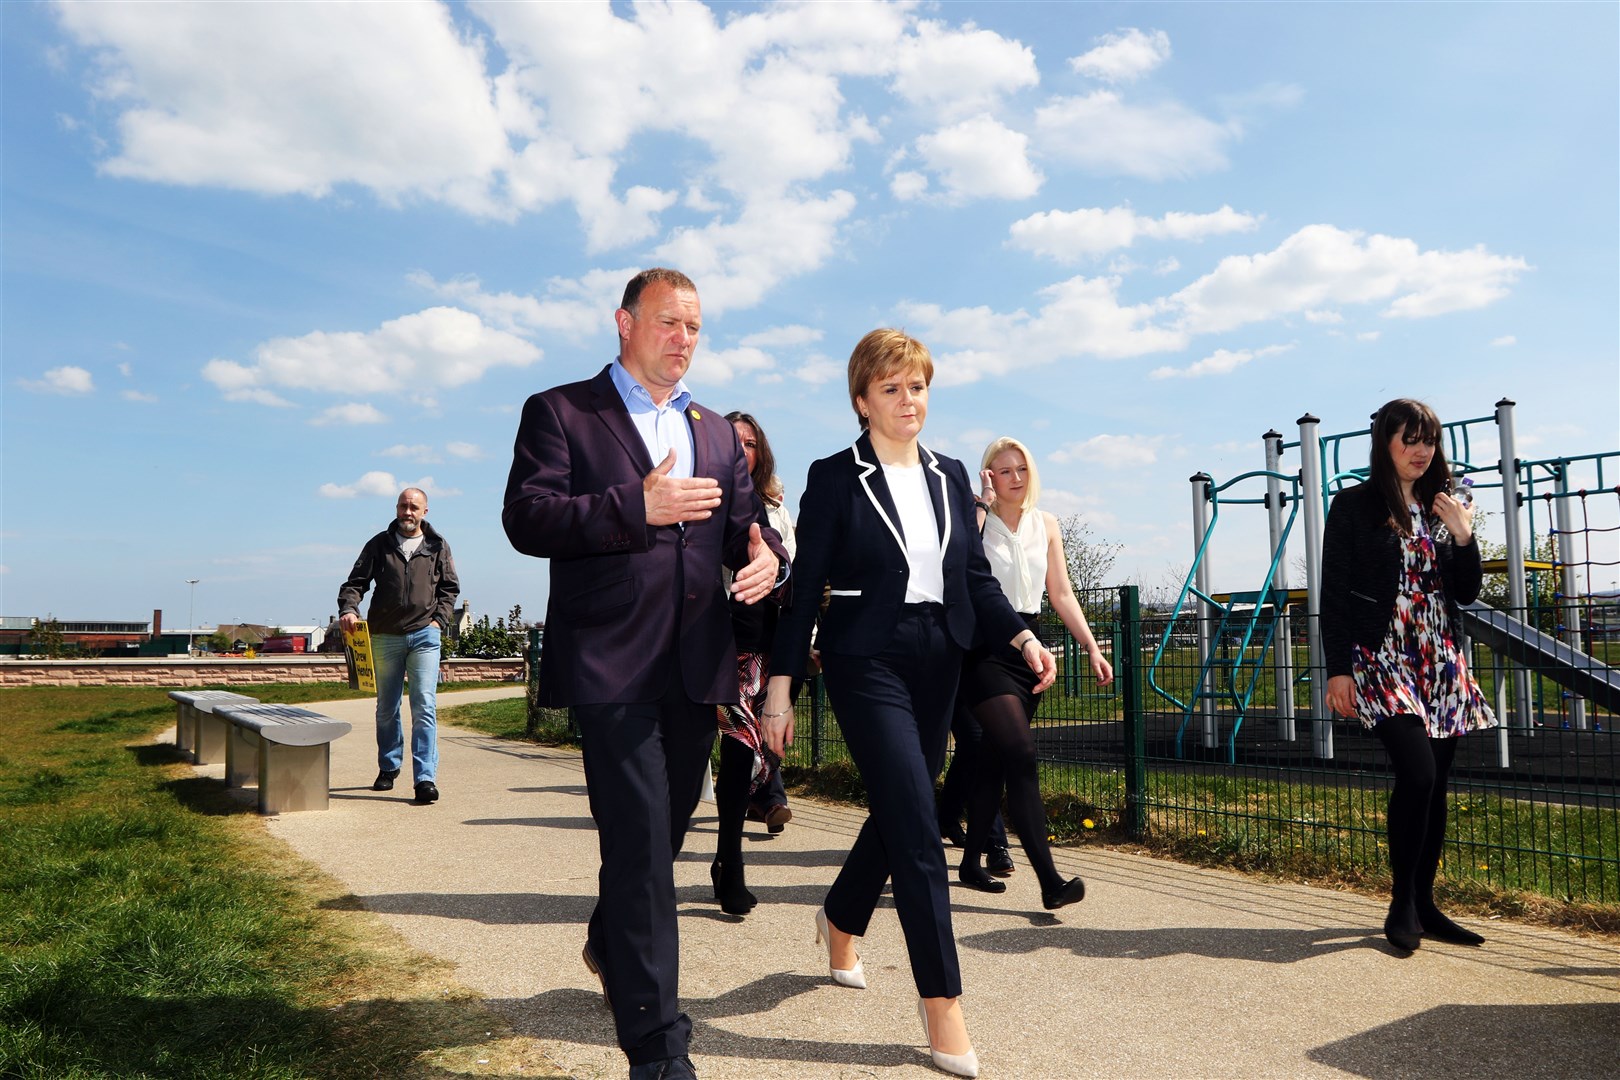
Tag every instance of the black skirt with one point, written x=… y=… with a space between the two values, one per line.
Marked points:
x=1000 y=670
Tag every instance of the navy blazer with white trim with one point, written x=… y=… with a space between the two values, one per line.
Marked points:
x=850 y=538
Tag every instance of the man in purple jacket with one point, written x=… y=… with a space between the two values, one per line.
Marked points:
x=638 y=496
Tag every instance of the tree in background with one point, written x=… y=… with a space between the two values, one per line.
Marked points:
x=1091 y=566
x=47 y=637
x=219 y=641
x=507 y=637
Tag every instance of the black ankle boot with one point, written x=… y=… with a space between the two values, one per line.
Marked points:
x=975 y=877
x=1437 y=926
x=730 y=888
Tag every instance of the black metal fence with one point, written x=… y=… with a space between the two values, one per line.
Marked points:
x=1205 y=751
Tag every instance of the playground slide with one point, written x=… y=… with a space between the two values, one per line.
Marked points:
x=1576 y=672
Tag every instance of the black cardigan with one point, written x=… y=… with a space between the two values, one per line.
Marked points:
x=1361 y=575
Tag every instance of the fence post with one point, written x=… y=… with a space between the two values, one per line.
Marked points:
x=531 y=669
x=1202 y=485
x=1569 y=583
x=1128 y=655
x=815 y=721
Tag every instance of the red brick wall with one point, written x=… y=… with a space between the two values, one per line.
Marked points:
x=229 y=672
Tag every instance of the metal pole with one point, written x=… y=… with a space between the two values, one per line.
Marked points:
x=1201 y=483
x=191 y=619
x=1518 y=605
x=1282 y=650
x=1311 y=489
x=1128 y=653
x=1569 y=583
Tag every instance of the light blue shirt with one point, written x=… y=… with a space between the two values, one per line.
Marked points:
x=660 y=426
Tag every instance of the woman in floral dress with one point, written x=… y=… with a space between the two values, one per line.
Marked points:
x=1398 y=557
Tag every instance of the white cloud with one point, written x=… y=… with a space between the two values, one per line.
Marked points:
x=379 y=483
x=1078 y=318
x=436 y=348
x=68 y=380
x=136 y=395
x=960 y=71
x=389 y=97
x=1219 y=362
x=819 y=369
x=577 y=308
x=1329 y=318
x=420 y=453
x=1369 y=335
x=126 y=369
x=1070 y=235
x=1321 y=266
x=981 y=158
x=1103 y=134
x=908 y=185
x=783 y=336
x=1504 y=341
x=1111 y=451
x=352 y=413
x=1124 y=56
x=466 y=451
x=712 y=367
x=1091 y=508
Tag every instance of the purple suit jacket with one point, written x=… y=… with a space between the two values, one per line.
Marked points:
x=623 y=590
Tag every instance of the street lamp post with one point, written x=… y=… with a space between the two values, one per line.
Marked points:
x=191 y=619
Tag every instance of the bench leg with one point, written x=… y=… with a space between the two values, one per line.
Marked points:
x=209 y=733
x=241 y=756
x=293 y=778
x=184 y=722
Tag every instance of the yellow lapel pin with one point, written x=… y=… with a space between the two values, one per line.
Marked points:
x=696 y=415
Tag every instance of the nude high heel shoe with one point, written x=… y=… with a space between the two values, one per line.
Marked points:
x=956 y=1064
x=855 y=976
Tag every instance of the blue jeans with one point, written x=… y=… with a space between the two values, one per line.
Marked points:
x=394 y=657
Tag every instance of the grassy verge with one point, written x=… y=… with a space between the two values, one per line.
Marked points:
x=149 y=927
x=1510 y=858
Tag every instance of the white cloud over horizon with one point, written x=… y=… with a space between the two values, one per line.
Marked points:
x=1124 y=56
x=1070 y=235
x=70 y=380
x=382 y=484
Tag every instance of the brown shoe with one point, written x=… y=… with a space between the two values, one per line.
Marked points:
x=777 y=817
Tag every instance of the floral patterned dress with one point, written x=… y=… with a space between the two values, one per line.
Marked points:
x=1418 y=670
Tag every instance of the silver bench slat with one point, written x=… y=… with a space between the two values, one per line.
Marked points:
x=287 y=725
x=289 y=750
x=196 y=728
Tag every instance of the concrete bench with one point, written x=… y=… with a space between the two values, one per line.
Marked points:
x=196 y=728
x=288 y=750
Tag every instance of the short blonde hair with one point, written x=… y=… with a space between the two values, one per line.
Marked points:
x=883 y=353
x=1032 y=486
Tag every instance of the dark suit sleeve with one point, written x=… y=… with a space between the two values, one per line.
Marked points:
x=1338 y=557
x=819 y=527
x=998 y=622
x=360 y=577
x=745 y=509
x=544 y=517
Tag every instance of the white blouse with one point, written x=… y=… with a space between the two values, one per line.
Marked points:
x=908 y=485
x=1018 y=558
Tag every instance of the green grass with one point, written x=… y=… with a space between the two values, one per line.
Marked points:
x=151 y=928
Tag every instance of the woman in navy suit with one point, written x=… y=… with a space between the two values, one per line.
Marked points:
x=888 y=527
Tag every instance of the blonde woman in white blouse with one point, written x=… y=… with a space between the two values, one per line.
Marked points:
x=1025 y=547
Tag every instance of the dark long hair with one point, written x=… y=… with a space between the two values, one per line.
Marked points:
x=764 y=474
x=1413 y=421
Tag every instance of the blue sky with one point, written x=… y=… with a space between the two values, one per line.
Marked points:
x=265 y=264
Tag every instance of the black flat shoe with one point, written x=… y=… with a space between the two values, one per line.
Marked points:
x=426 y=793
x=731 y=889
x=952 y=831
x=1405 y=939
x=975 y=878
x=998 y=860
x=385 y=780
x=1070 y=892
x=1440 y=928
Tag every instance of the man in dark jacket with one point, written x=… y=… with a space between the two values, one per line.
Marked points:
x=416 y=594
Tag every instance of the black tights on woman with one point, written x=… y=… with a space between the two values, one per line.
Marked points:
x=1008 y=752
x=1417 y=831
x=731 y=800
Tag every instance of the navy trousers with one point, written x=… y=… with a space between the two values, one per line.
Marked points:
x=644 y=766
x=895 y=712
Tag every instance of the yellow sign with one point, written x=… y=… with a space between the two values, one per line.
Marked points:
x=357 y=648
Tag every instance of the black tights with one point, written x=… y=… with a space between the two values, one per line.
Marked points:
x=1417 y=814
x=1009 y=752
x=731 y=797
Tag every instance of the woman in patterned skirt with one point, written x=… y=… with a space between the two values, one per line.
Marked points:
x=1398 y=557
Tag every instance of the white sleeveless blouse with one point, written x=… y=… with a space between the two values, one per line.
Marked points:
x=1018 y=559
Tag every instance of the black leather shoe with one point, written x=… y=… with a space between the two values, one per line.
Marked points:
x=594 y=968
x=731 y=889
x=426 y=793
x=385 y=780
x=777 y=817
x=679 y=1068
x=1440 y=928
x=975 y=878
x=998 y=860
x=952 y=831
x=1070 y=892
x=1405 y=939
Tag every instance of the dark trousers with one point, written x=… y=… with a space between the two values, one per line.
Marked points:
x=644 y=766
x=1417 y=813
x=895 y=710
x=962 y=778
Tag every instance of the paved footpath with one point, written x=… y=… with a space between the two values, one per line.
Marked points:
x=1163 y=971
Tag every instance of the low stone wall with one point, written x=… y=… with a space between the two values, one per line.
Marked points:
x=237 y=671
